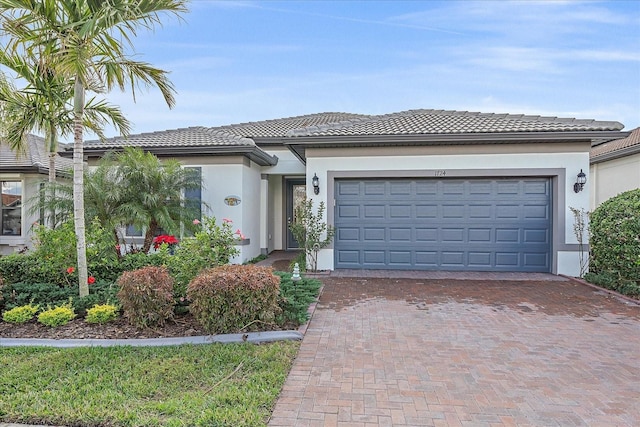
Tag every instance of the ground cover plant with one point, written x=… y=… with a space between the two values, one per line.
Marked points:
x=208 y=385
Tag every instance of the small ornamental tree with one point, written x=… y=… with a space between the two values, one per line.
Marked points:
x=310 y=230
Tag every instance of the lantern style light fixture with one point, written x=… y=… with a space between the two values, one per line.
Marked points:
x=315 y=181
x=580 y=181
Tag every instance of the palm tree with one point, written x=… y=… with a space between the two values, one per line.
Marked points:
x=86 y=40
x=154 y=195
x=44 y=106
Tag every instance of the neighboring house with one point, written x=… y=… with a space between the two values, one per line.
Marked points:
x=20 y=178
x=419 y=189
x=615 y=167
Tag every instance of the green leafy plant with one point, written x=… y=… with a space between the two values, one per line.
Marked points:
x=20 y=314
x=310 y=231
x=295 y=298
x=22 y=293
x=615 y=238
x=146 y=296
x=102 y=313
x=211 y=246
x=57 y=316
x=233 y=298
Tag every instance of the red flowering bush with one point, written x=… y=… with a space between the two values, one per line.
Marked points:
x=164 y=238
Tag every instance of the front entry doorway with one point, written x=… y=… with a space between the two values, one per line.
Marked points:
x=296 y=193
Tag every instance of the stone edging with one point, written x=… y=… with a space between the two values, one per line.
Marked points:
x=599 y=288
x=252 y=337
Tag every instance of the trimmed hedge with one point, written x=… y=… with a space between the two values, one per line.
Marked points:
x=615 y=241
x=146 y=296
x=234 y=298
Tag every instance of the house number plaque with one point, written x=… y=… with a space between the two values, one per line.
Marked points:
x=441 y=173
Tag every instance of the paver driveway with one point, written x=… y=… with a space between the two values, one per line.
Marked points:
x=465 y=352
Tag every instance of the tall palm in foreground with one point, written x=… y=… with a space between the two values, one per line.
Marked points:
x=86 y=40
x=44 y=106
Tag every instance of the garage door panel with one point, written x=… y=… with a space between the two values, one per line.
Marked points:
x=349 y=211
x=372 y=257
x=400 y=258
x=452 y=259
x=400 y=235
x=453 y=211
x=426 y=211
x=400 y=211
x=426 y=234
x=374 y=211
x=480 y=235
x=456 y=224
x=480 y=259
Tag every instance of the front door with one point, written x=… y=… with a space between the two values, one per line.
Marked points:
x=296 y=193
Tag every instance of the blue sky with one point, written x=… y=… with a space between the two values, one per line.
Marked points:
x=239 y=61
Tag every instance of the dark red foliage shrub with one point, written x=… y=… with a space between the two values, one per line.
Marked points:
x=146 y=296
x=234 y=298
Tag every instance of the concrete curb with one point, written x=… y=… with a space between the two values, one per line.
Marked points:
x=599 y=288
x=252 y=337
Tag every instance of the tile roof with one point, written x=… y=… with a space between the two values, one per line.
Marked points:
x=184 y=137
x=228 y=135
x=622 y=146
x=280 y=127
x=35 y=159
x=417 y=122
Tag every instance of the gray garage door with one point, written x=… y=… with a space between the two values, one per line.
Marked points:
x=444 y=224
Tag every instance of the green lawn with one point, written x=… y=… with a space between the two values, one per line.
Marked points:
x=207 y=385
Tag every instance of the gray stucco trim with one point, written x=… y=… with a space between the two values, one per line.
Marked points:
x=556 y=175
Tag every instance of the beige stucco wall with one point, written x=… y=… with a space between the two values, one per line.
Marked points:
x=613 y=177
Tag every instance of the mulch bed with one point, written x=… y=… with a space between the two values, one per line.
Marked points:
x=180 y=326
x=119 y=329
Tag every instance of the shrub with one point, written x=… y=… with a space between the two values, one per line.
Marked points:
x=614 y=282
x=102 y=313
x=18 y=294
x=295 y=298
x=20 y=314
x=615 y=237
x=57 y=316
x=146 y=296
x=232 y=298
x=211 y=246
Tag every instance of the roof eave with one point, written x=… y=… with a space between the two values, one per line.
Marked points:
x=299 y=144
x=251 y=152
x=612 y=155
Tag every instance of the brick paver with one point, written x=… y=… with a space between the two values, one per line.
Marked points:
x=411 y=352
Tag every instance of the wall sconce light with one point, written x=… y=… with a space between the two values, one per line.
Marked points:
x=582 y=179
x=315 y=181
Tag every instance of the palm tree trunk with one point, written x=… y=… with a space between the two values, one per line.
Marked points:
x=78 y=187
x=50 y=217
x=149 y=235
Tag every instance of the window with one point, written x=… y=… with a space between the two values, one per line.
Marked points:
x=11 y=208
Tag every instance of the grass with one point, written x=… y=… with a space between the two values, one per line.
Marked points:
x=207 y=385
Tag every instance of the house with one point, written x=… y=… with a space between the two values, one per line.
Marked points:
x=418 y=189
x=615 y=167
x=21 y=175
